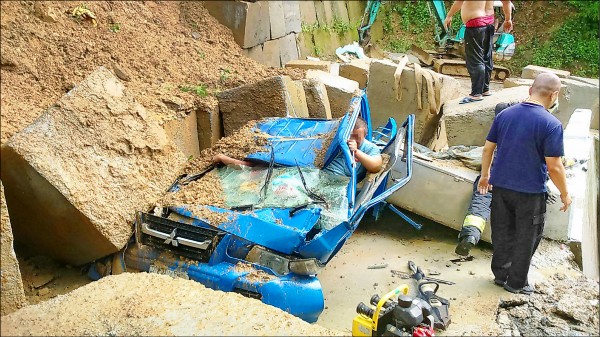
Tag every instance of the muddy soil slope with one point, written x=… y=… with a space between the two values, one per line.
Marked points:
x=173 y=55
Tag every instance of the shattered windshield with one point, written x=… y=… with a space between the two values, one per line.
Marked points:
x=285 y=189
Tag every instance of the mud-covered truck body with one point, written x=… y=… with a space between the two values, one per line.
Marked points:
x=282 y=222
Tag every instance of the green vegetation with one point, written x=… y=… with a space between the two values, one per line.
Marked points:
x=574 y=45
x=405 y=23
x=224 y=75
x=317 y=50
x=114 y=27
x=201 y=89
x=338 y=26
x=568 y=39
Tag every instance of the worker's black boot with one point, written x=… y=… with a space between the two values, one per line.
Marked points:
x=464 y=246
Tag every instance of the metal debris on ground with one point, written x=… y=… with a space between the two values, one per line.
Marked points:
x=378 y=266
x=400 y=274
x=463 y=259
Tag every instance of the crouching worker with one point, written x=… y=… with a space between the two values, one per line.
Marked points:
x=366 y=155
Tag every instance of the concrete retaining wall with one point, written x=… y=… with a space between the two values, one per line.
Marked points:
x=266 y=28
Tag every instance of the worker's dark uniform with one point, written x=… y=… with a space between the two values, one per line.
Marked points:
x=525 y=134
x=479 y=208
x=479 y=34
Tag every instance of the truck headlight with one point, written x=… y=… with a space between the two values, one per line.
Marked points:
x=306 y=266
x=263 y=257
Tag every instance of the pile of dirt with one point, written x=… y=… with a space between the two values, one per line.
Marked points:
x=560 y=306
x=156 y=305
x=174 y=55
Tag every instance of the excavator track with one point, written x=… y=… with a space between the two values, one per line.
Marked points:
x=454 y=66
x=459 y=68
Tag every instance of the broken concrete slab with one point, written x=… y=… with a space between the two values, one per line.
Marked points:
x=469 y=124
x=357 y=70
x=271 y=53
x=249 y=21
x=308 y=64
x=297 y=98
x=13 y=295
x=277 y=19
x=184 y=133
x=512 y=82
x=291 y=12
x=271 y=97
x=592 y=81
x=339 y=90
x=308 y=14
x=385 y=104
x=531 y=71
x=209 y=125
x=288 y=48
x=76 y=176
x=317 y=100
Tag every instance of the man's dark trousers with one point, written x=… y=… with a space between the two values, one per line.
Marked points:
x=517 y=224
x=479 y=57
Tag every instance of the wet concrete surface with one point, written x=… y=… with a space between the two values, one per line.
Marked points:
x=474 y=298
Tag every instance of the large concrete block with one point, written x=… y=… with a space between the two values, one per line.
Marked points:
x=272 y=97
x=210 y=128
x=277 y=19
x=326 y=42
x=532 y=71
x=306 y=45
x=317 y=100
x=184 y=133
x=565 y=110
x=339 y=90
x=357 y=70
x=356 y=10
x=308 y=13
x=324 y=12
x=384 y=103
x=512 y=82
x=308 y=64
x=255 y=53
x=293 y=21
x=340 y=11
x=75 y=177
x=13 y=295
x=579 y=95
x=249 y=21
x=592 y=81
x=297 y=97
x=271 y=53
x=469 y=124
x=288 y=48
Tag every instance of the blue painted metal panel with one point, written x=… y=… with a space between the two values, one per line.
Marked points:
x=295 y=140
x=269 y=227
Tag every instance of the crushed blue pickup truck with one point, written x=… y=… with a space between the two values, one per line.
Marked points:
x=280 y=222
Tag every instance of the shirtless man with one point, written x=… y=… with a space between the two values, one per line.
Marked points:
x=478 y=17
